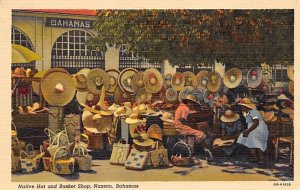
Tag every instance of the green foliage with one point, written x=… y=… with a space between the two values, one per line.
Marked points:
x=234 y=37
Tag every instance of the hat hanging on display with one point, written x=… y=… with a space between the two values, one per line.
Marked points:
x=254 y=77
x=80 y=78
x=137 y=81
x=58 y=87
x=96 y=79
x=290 y=72
x=36 y=83
x=155 y=132
x=265 y=87
x=178 y=81
x=229 y=116
x=210 y=97
x=94 y=122
x=233 y=78
x=142 y=96
x=153 y=80
x=113 y=80
x=214 y=81
x=198 y=94
x=167 y=117
x=120 y=96
x=125 y=79
x=190 y=79
x=291 y=87
x=247 y=103
x=202 y=79
x=171 y=95
x=167 y=80
x=185 y=92
x=133 y=119
x=84 y=96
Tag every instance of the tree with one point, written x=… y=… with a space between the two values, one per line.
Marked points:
x=235 y=37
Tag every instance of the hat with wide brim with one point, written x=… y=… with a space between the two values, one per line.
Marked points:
x=137 y=81
x=19 y=72
x=288 y=110
x=95 y=122
x=265 y=87
x=121 y=96
x=113 y=80
x=178 y=81
x=254 y=77
x=282 y=97
x=167 y=80
x=268 y=116
x=142 y=96
x=57 y=77
x=143 y=143
x=36 y=82
x=190 y=99
x=214 y=81
x=290 y=72
x=247 y=103
x=155 y=132
x=202 y=79
x=185 y=92
x=153 y=80
x=229 y=116
x=167 y=117
x=96 y=79
x=198 y=94
x=210 y=97
x=291 y=87
x=132 y=119
x=233 y=78
x=100 y=112
x=120 y=111
x=190 y=79
x=81 y=96
x=80 y=78
x=171 y=95
x=125 y=79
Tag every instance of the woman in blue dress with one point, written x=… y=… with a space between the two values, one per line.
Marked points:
x=255 y=136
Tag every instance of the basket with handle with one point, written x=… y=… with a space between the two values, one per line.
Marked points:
x=30 y=163
x=120 y=152
x=159 y=156
x=46 y=160
x=182 y=156
x=60 y=140
x=62 y=162
x=82 y=159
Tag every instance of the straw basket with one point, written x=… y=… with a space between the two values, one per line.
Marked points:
x=95 y=140
x=82 y=159
x=30 y=163
x=46 y=160
x=62 y=162
x=60 y=140
x=15 y=162
x=169 y=129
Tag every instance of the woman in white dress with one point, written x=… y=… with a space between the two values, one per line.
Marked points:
x=255 y=136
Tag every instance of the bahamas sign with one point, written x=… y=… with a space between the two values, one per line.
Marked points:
x=69 y=23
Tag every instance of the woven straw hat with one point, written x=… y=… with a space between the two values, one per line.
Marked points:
x=153 y=80
x=291 y=87
x=247 y=103
x=171 y=95
x=190 y=98
x=83 y=96
x=120 y=96
x=96 y=79
x=254 y=77
x=282 y=97
x=198 y=94
x=202 y=79
x=265 y=87
x=125 y=79
x=268 y=116
x=167 y=80
x=155 y=132
x=290 y=72
x=229 y=116
x=214 y=81
x=233 y=78
x=210 y=97
x=58 y=87
x=143 y=143
x=121 y=111
x=190 y=79
x=288 y=110
x=142 y=96
x=113 y=107
x=80 y=78
x=167 y=117
x=113 y=80
x=178 y=81
x=133 y=119
x=94 y=122
x=185 y=92
x=36 y=83
x=137 y=81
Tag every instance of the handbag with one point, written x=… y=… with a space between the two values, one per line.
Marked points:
x=62 y=162
x=120 y=152
x=136 y=159
x=30 y=163
x=72 y=126
x=82 y=159
x=159 y=156
x=60 y=140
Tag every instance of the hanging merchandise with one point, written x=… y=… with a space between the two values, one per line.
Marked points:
x=80 y=79
x=233 y=78
x=178 y=81
x=142 y=96
x=202 y=79
x=290 y=72
x=96 y=79
x=113 y=80
x=125 y=80
x=167 y=80
x=254 y=77
x=137 y=81
x=214 y=81
x=185 y=91
x=190 y=79
x=153 y=80
x=291 y=87
x=171 y=95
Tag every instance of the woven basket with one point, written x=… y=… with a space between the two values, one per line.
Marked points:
x=63 y=166
x=30 y=163
x=46 y=160
x=60 y=140
x=169 y=129
x=95 y=140
x=82 y=159
x=15 y=163
x=17 y=145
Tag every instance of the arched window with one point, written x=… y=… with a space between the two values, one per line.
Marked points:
x=71 y=52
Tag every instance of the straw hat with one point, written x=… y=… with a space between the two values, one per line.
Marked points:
x=153 y=80
x=265 y=87
x=262 y=113
x=171 y=95
x=268 y=116
x=94 y=122
x=282 y=97
x=190 y=79
x=229 y=116
x=214 y=81
x=36 y=83
x=254 y=77
x=58 y=87
x=113 y=78
x=140 y=109
x=19 y=72
x=167 y=117
x=291 y=87
x=133 y=119
x=198 y=94
x=202 y=78
x=290 y=72
x=120 y=111
x=113 y=107
x=137 y=81
x=247 y=103
x=143 y=143
x=92 y=110
x=233 y=78
x=96 y=79
x=120 y=96
x=80 y=78
x=190 y=99
x=83 y=96
x=155 y=132
x=185 y=92
x=210 y=97
x=142 y=96
x=167 y=80
x=125 y=79
x=178 y=81
x=288 y=110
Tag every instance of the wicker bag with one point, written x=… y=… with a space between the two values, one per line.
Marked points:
x=136 y=160
x=82 y=159
x=120 y=152
x=46 y=160
x=60 y=140
x=62 y=162
x=95 y=140
x=159 y=156
x=15 y=162
x=30 y=163
x=179 y=158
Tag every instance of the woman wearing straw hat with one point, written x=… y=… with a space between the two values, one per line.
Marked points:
x=255 y=136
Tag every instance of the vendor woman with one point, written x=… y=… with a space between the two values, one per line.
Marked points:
x=255 y=136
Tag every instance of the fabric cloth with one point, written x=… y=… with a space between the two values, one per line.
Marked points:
x=182 y=112
x=259 y=136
